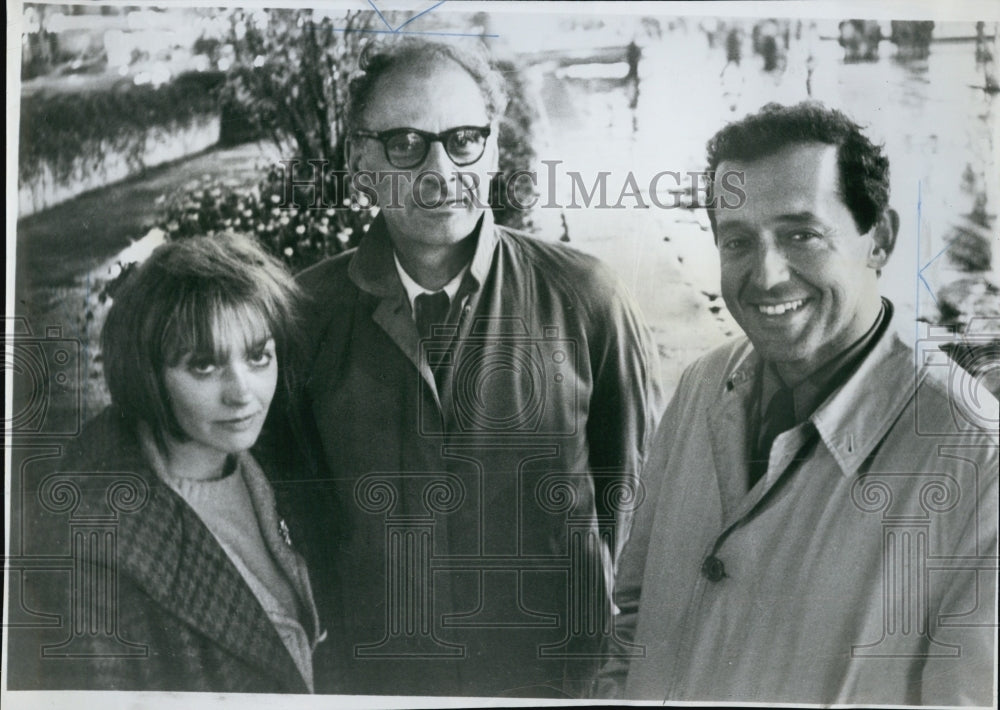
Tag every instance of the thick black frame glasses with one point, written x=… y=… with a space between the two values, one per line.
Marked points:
x=408 y=147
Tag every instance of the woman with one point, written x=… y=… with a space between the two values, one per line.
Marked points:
x=210 y=594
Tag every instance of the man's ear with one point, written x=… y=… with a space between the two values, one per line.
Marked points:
x=883 y=236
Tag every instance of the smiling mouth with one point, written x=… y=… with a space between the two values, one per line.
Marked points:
x=780 y=309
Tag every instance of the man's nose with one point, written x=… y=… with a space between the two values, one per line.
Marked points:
x=439 y=161
x=770 y=267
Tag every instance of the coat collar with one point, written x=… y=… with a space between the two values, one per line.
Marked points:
x=169 y=553
x=728 y=429
x=373 y=271
x=850 y=422
x=857 y=416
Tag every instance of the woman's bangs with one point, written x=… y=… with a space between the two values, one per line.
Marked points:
x=208 y=329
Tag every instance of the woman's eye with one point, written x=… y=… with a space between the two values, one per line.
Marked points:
x=200 y=367
x=803 y=235
x=261 y=357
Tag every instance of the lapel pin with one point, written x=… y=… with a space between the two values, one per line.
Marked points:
x=283 y=529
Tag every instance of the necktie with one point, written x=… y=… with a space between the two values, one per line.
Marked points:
x=778 y=417
x=430 y=309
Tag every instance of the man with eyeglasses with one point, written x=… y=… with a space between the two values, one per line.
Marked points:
x=479 y=404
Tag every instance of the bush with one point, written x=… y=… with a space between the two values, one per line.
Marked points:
x=73 y=131
x=299 y=236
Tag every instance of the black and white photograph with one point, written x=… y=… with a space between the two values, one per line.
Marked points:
x=416 y=353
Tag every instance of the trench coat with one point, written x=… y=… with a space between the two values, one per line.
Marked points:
x=861 y=569
x=471 y=521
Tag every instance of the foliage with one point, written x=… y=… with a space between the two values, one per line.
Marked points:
x=290 y=71
x=517 y=148
x=70 y=132
x=39 y=54
x=299 y=236
x=289 y=83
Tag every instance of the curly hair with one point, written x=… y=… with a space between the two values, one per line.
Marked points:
x=380 y=58
x=863 y=167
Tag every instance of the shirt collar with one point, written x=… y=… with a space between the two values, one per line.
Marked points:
x=373 y=268
x=413 y=289
x=858 y=414
x=811 y=392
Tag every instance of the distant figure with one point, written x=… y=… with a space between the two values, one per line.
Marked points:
x=632 y=55
x=734 y=47
x=860 y=40
x=983 y=48
x=769 y=52
x=912 y=38
x=987 y=51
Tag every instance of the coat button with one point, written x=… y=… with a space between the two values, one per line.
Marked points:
x=712 y=569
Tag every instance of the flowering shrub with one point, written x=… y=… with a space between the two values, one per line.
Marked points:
x=298 y=235
x=290 y=72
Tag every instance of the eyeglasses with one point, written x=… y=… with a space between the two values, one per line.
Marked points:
x=408 y=147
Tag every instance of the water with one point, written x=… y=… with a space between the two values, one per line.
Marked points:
x=939 y=129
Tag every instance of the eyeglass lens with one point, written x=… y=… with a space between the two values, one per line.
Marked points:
x=463 y=145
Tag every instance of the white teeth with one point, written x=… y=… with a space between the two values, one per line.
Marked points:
x=780 y=308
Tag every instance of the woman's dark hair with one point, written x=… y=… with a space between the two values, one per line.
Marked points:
x=171 y=306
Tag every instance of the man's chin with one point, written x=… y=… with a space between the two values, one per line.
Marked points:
x=778 y=350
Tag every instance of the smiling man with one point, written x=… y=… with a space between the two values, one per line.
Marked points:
x=479 y=400
x=820 y=523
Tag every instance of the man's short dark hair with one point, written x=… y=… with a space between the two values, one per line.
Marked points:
x=170 y=307
x=863 y=167
x=380 y=58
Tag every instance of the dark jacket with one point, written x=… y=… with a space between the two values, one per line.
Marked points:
x=136 y=593
x=473 y=530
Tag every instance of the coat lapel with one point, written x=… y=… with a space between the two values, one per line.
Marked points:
x=174 y=558
x=264 y=505
x=373 y=270
x=728 y=420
